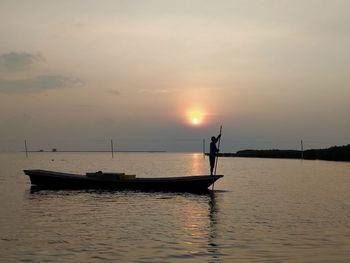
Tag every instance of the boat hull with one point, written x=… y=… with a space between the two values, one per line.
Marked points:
x=55 y=180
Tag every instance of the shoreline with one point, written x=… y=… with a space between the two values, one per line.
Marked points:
x=334 y=153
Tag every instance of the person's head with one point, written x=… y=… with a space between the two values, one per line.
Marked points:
x=213 y=138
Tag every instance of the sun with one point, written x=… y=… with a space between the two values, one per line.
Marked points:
x=196 y=117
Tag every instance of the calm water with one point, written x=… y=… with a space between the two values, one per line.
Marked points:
x=263 y=210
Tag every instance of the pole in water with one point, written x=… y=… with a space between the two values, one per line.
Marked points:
x=25 y=147
x=112 y=148
x=217 y=156
x=302 y=149
x=204 y=148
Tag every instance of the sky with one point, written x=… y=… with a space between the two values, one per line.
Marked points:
x=164 y=75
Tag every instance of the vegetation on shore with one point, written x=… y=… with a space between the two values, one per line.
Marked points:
x=335 y=153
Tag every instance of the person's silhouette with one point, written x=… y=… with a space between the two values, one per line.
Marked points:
x=213 y=152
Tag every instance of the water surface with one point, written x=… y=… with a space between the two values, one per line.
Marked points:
x=263 y=210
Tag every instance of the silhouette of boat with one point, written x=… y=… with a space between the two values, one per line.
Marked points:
x=119 y=181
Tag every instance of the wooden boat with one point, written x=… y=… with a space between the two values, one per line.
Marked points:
x=119 y=181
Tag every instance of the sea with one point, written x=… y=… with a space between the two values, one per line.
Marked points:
x=262 y=210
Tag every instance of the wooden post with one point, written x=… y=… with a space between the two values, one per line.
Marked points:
x=25 y=147
x=302 y=149
x=204 y=148
x=112 y=148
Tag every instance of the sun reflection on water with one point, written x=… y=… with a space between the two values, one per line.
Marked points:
x=200 y=225
x=196 y=164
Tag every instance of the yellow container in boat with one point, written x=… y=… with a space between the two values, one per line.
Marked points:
x=111 y=176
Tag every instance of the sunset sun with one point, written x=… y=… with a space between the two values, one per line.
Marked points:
x=196 y=117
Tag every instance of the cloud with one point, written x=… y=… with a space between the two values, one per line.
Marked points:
x=84 y=105
x=17 y=61
x=114 y=92
x=155 y=91
x=38 y=84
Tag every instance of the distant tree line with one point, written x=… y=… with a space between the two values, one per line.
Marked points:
x=335 y=153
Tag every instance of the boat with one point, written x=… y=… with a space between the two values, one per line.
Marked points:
x=119 y=181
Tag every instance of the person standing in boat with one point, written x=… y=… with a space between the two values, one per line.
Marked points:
x=213 y=151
